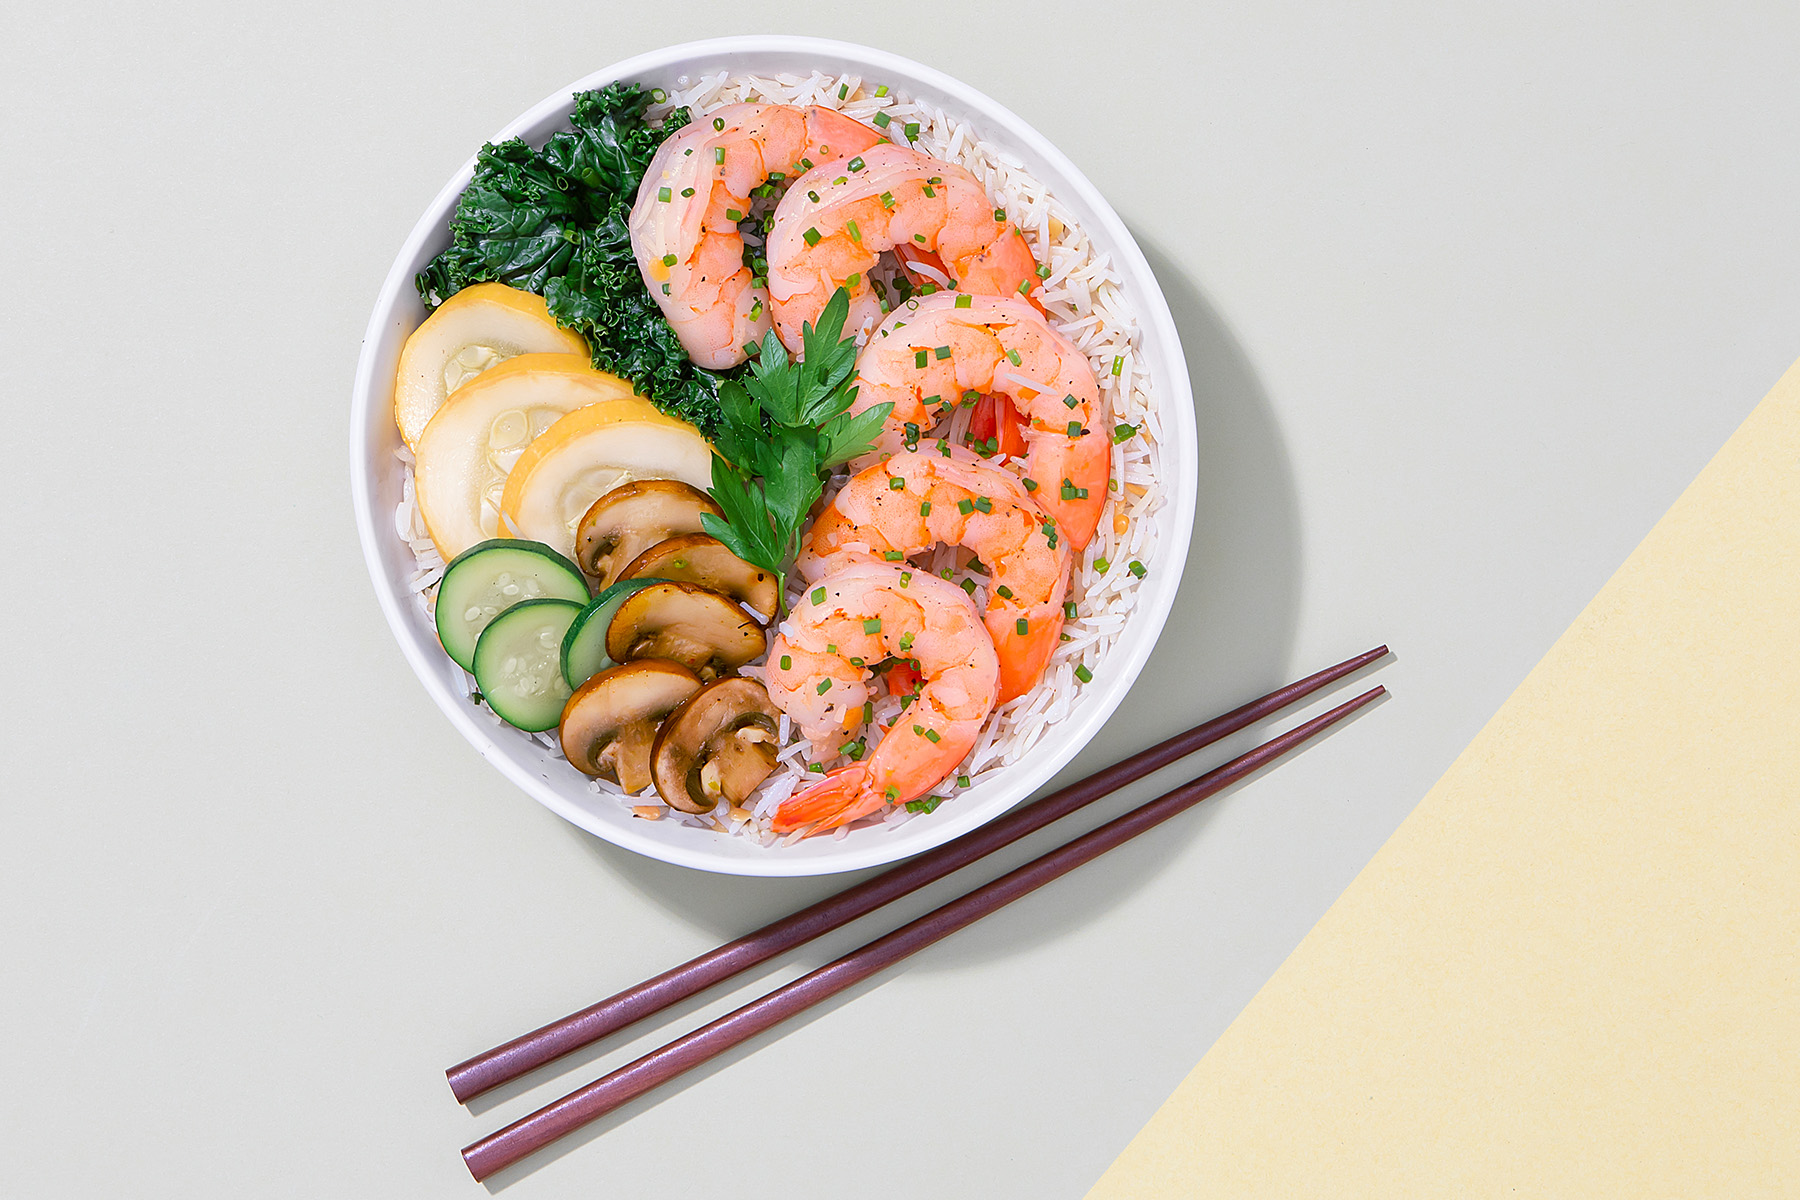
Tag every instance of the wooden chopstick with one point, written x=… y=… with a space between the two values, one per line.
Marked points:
x=530 y=1051
x=532 y=1133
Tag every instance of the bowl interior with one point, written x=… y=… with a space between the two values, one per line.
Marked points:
x=375 y=479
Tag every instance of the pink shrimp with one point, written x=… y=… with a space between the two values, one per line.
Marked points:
x=684 y=225
x=912 y=500
x=934 y=351
x=818 y=674
x=834 y=222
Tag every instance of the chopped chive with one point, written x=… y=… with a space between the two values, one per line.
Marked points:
x=927 y=288
x=841 y=180
x=905 y=578
x=669 y=260
x=1070 y=402
x=1083 y=674
x=1122 y=432
x=1118 y=364
x=818 y=595
x=657 y=95
x=756 y=311
x=824 y=686
x=984 y=504
x=664 y=195
x=1136 y=568
x=919 y=360
x=896 y=484
x=844 y=91
x=1043 y=272
x=882 y=120
x=1023 y=626
x=999 y=214
x=964 y=301
x=1068 y=490
x=1075 y=429
x=1068 y=610
x=718 y=124
x=1081 y=493
x=854 y=281
x=855 y=233
x=1031 y=485
x=919 y=730
x=812 y=195
x=912 y=131
x=946 y=572
x=892 y=555
x=872 y=625
x=868 y=711
x=965 y=507
x=924 y=508
x=856 y=164
x=944 y=447
x=930 y=194
x=1024 y=287
x=719 y=154
x=881 y=91
x=787 y=662
x=857 y=662
x=854 y=751
x=1101 y=565
x=887 y=200
x=962 y=781
x=1013 y=356
x=686 y=192
x=893 y=793
x=931 y=735
x=906 y=640
x=968 y=585
x=819 y=767
x=970 y=397
x=752 y=349
x=919 y=238
x=1004 y=592
x=811 y=236
x=665 y=289
x=806 y=163
x=942 y=352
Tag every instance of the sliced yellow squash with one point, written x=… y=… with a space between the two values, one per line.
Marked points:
x=474 y=330
x=484 y=427
x=590 y=452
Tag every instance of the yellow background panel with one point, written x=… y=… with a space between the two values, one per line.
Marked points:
x=1575 y=969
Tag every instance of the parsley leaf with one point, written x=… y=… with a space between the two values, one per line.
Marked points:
x=781 y=427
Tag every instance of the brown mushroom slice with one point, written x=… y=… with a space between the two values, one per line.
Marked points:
x=703 y=559
x=719 y=745
x=631 y=518
x=700 y=629
x=609 y=724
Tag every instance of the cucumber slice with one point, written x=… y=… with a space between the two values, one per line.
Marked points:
x=518 y=663
x=584 y=650
x=490 y=577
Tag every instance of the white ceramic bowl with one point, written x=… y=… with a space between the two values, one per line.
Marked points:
x=375 y=480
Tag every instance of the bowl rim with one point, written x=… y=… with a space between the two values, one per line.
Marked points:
x=1156 y=595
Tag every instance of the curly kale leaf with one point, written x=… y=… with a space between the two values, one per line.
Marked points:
x=553 y=221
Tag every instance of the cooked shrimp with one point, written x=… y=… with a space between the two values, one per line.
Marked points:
x=913 y=500
x=932 y=351
x=684 y=225
x=819 y=670
x=833 y=223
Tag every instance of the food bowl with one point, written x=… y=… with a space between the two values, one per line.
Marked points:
x=375 y=480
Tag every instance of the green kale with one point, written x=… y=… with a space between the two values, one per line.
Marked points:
x=553 y=221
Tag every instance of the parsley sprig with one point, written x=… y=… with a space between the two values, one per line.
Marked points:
x=786 y=424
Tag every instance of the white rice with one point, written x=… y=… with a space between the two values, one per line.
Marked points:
x=1086 y=300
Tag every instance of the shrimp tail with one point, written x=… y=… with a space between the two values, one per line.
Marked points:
x=841 y=797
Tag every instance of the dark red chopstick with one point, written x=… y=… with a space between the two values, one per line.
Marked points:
x=527 y=1053
x=532 y=1133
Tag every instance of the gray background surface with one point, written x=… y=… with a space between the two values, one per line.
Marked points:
x=1469 y=294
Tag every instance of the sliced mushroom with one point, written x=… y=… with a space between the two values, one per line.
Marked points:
x=609 y=724
x=701 y=630
x=631 y=518
x=719 y=745
x=703 y=559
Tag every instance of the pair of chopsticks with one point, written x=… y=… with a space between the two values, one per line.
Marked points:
x=525 y=1054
